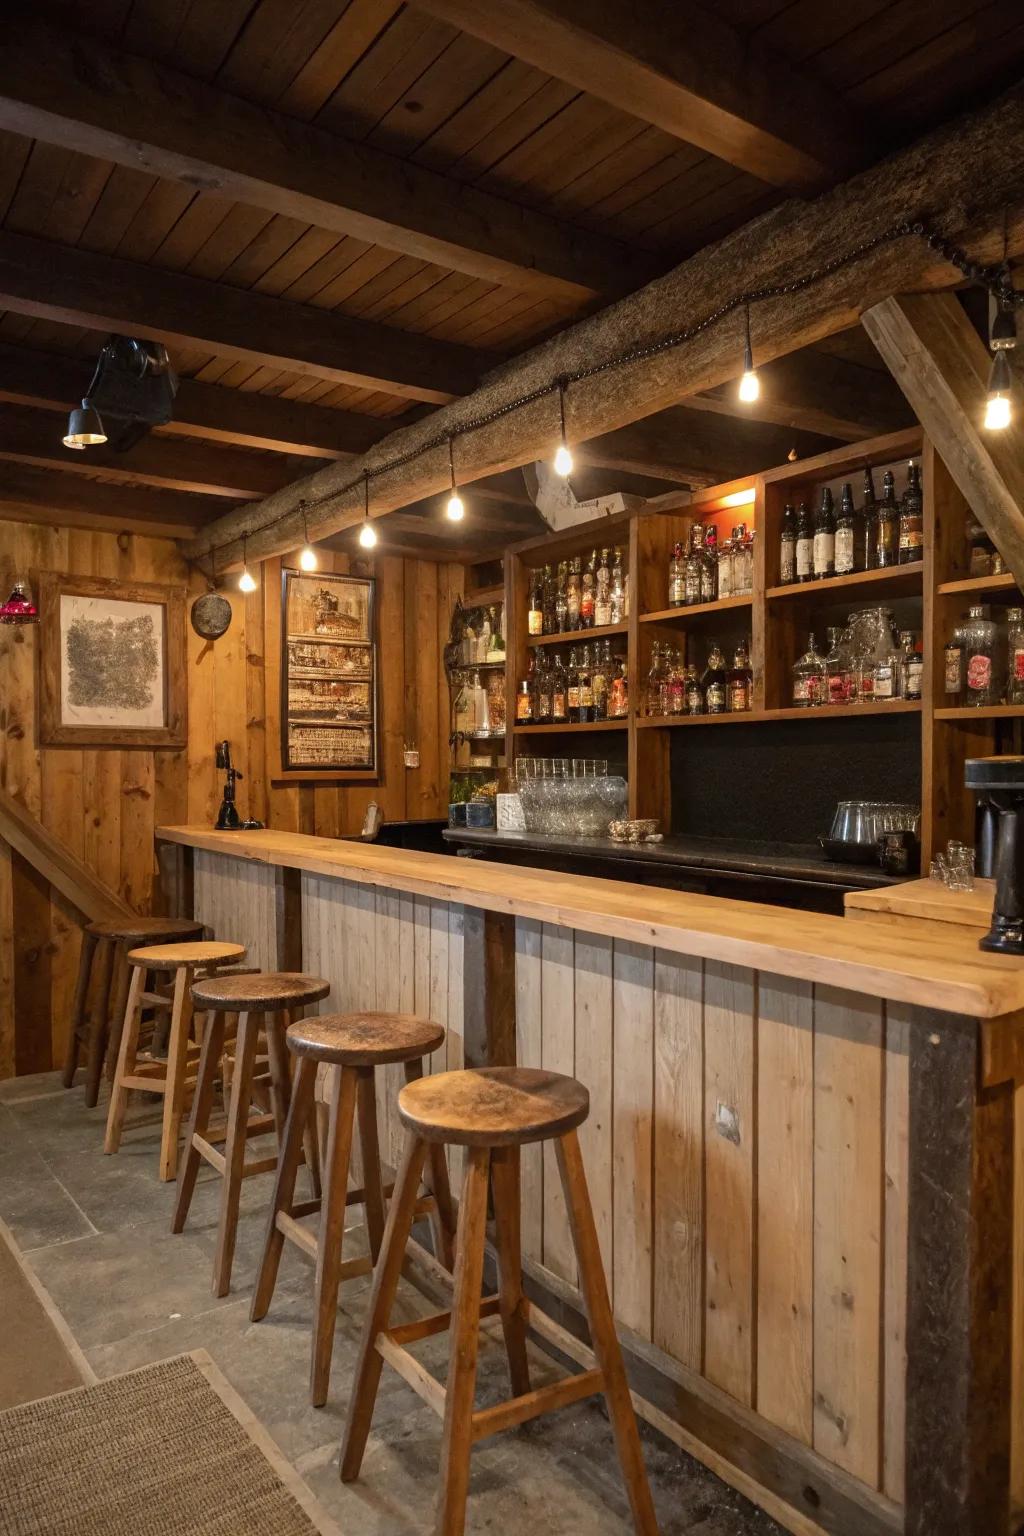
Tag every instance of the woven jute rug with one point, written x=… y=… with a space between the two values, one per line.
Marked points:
x=169 y=1450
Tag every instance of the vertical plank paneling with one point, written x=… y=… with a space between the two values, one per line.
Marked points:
x=454 y=1044
x=894 y=1301
x=594 y=1068
x=438 y=1010
x=557 y=1055
x=388 y=941
x=528 y=1054
x=848 y=1218
x=632 y=1140
x=679 y=1157
x=785 y=1203
x=8 y=1038
x=421 y=955
x=730 y=1145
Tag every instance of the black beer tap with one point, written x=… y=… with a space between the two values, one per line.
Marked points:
x=228 y=819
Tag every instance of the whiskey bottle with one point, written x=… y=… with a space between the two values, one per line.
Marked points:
x=535 y=610
x=586 y=686
x=912 y=518
x=618 y=597
x=846 y=534
x=911 y=666
x=713 y=681
x=572 y=689
x=550 y=621
x=559 y=702
x=677 y=577
x=587 y=593
x=787 y=546
x=676 y=683
x=739 y=682
x=603 y=593
x=804 y=544
x=602 y=676
x=694 y=564
x=868 y=553
x=542 y=692
x=694 y=693
x=574 y=584
x=561 y=599
x=618 y=692
x=709 y=565
x=825 y=538
x=524 y=703
x=888 y=541
x=655 y=677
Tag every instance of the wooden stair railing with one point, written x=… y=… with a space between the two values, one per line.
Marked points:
x=65 y=872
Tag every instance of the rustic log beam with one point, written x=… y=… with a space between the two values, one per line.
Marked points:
x=32 y=495
x=968 y=172
x=817 y=393
x=935 y=356
x=75 y=287
x=696 y=449
x=92 y=99
x=35 y=437
x=242 y=418
x=681 y=67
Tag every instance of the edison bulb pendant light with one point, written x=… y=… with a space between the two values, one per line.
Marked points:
x=998 y=411
x=455 y=511
x=368 y=535
x=563 y=461
x=246 y=583
x=307 y=558
x=750 y=386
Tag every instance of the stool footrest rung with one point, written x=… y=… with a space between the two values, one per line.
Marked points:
x=259 y=1125
x=519 y=1410
x=435 y=1322
x=217 y=1159
x=411 y=1371
x=306 y=1239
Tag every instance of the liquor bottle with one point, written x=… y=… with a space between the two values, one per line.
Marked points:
x=787 y=546
x=572 y=689
x=867 y=557
x=982 y=552
x=559 y=702
x=804 y=544
x=742 y=561
x=693 y=692
x=561 y=599
x=524 y=703
x=836 y=671
x=1015 y=655
x=810 y=678
x=953 y=668
x=888 y=542
x=912 y=518
x=726 y=568
x=586 y=687
x=602 y=679
x=550 y=621
x=825 y=538
x=739 y=683
x=542 y=692
x=713 y=681
x=846 y=534
x=573 y=589
x=618 y=598
x=483 y=638
x=886 y=684
x=603 y=593
x=653 y=684
x=911 y=666
x=535 y=611
x=709 y=565
x=694 y=565
x=982 y=674
x=587 y=593
x=676 y=684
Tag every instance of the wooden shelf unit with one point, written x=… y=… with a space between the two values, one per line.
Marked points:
x=778 y=618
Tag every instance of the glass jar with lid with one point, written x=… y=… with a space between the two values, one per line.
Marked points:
x=982 y=672
x=810 y=678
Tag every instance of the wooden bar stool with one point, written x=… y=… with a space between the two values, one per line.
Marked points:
x=156 y=1075
x=356 y=1044
x=270 y=999
x=492 y=1111
x=103 y=969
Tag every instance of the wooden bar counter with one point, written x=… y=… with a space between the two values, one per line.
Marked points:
x=801 y=1148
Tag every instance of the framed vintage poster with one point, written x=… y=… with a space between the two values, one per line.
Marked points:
x=111 y=663
x=328 y=675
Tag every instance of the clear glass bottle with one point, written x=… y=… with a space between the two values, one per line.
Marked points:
x=603 y=592
x=787 y=546
x=1015 y=656
x=618 y=693
x=562 y=599
x=618 y=597
x=982 y=673
x=739 y=682
x=587 y=592
x=953 y=669
x=846 y=534
x=572 y=688
x=573 y=589
x=602 y=674
x=559 y=701
x=542 y=691
x=709 y=566
x=886 y=682
x=713 y=681
x=677 y=577
x=535 y=609
x=742 y=561
x=911 y=546
x=694 y=693
x=810 y=678
x=652 y=695
x=586 y=683
x=804 y=543
x=676 y=684
x=694 y=565
x=836 y=667
x=726 y=566
x=824 y=537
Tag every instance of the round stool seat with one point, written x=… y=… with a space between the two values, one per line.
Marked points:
x=493 y=1106
x=364 y=1039
x=147 y=929
x=170 y=957
x=269 y=991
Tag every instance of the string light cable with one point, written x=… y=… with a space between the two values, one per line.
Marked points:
x=995 y=278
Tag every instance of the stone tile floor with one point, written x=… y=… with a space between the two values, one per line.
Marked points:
x=96 y=1231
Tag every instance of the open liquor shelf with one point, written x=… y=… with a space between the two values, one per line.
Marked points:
x=799 y=712
x=969 y=586
x=698 y=610
x=578 y=636
x=985 y=712
x=892 y=581
x=569 y=728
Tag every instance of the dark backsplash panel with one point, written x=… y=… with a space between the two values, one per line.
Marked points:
x=778 y=781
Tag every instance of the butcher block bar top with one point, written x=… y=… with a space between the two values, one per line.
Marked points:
x=942 y=970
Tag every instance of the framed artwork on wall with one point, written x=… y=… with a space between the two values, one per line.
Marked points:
x=111 y=663
x=328 y=675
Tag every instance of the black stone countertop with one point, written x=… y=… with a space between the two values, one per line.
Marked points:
x=783 y=861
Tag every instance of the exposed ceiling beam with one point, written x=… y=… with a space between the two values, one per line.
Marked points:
x=35 y=437
x=90 y=98
x=968 y=170
x=693 y=448
x=817 y=393
x=212 y=412
x=682 y=68
x=29 y=494
x=942 y=366
x=74 y=287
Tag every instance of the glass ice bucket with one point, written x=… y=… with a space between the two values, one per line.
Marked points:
x=572 y=807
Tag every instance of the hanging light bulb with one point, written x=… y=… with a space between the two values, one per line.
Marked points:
x=307 y=554
x=84 y=427
x=750 y=385
x=455 y=511
x=1002 y=339
x=563 y=458
x=246 y=582
x=367 y=533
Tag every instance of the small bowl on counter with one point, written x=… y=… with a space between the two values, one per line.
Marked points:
x=642 y=829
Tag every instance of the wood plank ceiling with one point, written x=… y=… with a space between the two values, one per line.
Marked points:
x=160 y=160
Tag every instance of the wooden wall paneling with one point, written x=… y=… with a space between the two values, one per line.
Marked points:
x=237 y=899
x=8 y=1030
x=558 y=1054
x=894 y=1273
x=528 y=1054
x=32 y=952
x=594 y=1066
x=438 y=1010
x=785 y=1203
x=633 y=1089
x=730 y=1131
x=455 y=1040
x=421 y=714
x=203 y=790
x=678 y=1322
x=257 y=798
x=848 y=1229
x=389 y=985
x=421 y=957
x=391 y=792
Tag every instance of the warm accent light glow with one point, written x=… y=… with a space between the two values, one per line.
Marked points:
x=246 y=583
x=563 y=461
x=738 y=498
x=750 y=388
x=367 y=535
x=307 y=558
x=455 y=511
x=997 y=413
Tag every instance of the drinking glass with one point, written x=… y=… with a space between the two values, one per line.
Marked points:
x=938 y=868
x=961 y=869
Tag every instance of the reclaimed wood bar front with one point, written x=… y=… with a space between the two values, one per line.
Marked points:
x=801 y=1148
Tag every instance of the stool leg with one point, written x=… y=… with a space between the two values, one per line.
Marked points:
x=442 y=1217
x=366 y=1107
x=122 y=971
x=457 y=1439
x=505 y=1184
x=177 y=1057
x=382 y=1297
x=284 y=1185
x=332 y=1229
x=125 y=1059
x=89 y=942
x=99 y=1024
x=234 y=1150
x=199 y=1118
x=275 y=1025
x=602 y=1331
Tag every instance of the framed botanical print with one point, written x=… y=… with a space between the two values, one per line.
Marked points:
x=111 y=663
x=328 y=675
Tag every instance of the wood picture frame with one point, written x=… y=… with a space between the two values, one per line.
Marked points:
x=348 y=626
x=160 y=684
